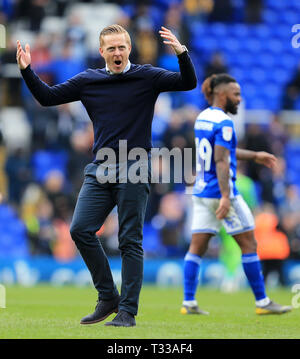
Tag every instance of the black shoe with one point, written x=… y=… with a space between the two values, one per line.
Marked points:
x=123 y=319
x=103 y=309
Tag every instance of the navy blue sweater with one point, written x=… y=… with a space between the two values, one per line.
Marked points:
x=120 y=106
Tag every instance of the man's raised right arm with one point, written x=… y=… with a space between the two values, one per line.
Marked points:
x=68 y=91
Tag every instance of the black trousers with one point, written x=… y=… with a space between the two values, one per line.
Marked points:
x=94 y=203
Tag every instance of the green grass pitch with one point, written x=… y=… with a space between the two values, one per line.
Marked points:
x=47 y=312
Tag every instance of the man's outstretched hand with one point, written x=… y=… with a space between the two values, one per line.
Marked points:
x=171 y=39
x=23 y=57
x=266 y=159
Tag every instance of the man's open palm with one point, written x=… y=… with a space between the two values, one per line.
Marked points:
x=23 y=57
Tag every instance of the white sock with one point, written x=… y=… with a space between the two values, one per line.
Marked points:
x=262 y=302
x=190 y=303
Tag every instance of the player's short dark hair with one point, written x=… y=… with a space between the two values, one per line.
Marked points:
x=211 y=82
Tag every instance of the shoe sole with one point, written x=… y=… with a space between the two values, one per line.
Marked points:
x=100 y=319
x=110 y=324
x=184 y=311
x=261 y=311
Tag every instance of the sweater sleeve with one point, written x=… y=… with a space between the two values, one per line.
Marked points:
x=65 y=92
x=184 y=80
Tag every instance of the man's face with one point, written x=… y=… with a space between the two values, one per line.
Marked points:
x=233 y=98
x=115 y=50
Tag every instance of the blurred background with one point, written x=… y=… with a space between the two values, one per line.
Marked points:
x=43 y=151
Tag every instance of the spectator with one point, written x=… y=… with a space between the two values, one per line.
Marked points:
x=108 y=235
x=216 y=65
x=289 y=212
x=159 y=188
x=172 y=216
x=291 y=91
x=198 y=10
x=33 y=11
x=256 y=140
x=175 y=22
x=11 y=84
x=18 y=173
x=63 y=248
x=146 y=45
x=65 y=66
x=253 y=10
x=272 y=244
x=278 y=137
x=46 y=233
x=80 y=156
x=280 y=183
x=222 y=11
x=76 y=35
x=61 y=201
x=246 y=186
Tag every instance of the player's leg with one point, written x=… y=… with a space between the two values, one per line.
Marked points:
x=252 y=268
x=204 y=226
x=240 y=223
x=191 y=269
x=93 y=205
x=251 y=265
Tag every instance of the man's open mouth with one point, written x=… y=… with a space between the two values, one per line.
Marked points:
x=118 y=62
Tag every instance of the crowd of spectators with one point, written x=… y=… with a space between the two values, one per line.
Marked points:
x=41 y=167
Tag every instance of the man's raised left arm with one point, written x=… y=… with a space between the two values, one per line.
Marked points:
x=184 y=80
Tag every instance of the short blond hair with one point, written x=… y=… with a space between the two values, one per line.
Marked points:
x=113 y=29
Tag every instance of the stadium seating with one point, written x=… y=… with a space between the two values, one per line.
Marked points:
x=259 y=55
x=13 y=239
x=43 y=162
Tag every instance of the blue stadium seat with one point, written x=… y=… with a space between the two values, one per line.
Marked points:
x=13 y=239
x=264 y=60
x=278 y=75
x=270 y=16
x=275 y=46
x=151 y=240
x=255 y=103
x=218 y=29
x=197 y=30
x=261 y=31
x=193 y=97
x=292 y=151
x=258 y=75
x=207 y=43
x=277 y=4
x=288 y=17
x=6 y=213
x=44 y=161
x=157 y=17
x=239 y=31
x=294 y=4
x=168 y=62
x=229 y=44
x=248 y=90
x=253 y=46
x=287 y=61
x=297 y=104
x=239 y=74
x=242 y=60
x=165 y=3
x=282 y=31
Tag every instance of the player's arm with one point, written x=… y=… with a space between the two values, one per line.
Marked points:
x=184 y=80
x=68 y=91
x=221 y=158
x=260 y=157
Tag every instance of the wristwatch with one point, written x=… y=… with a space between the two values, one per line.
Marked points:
x=184 y=48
